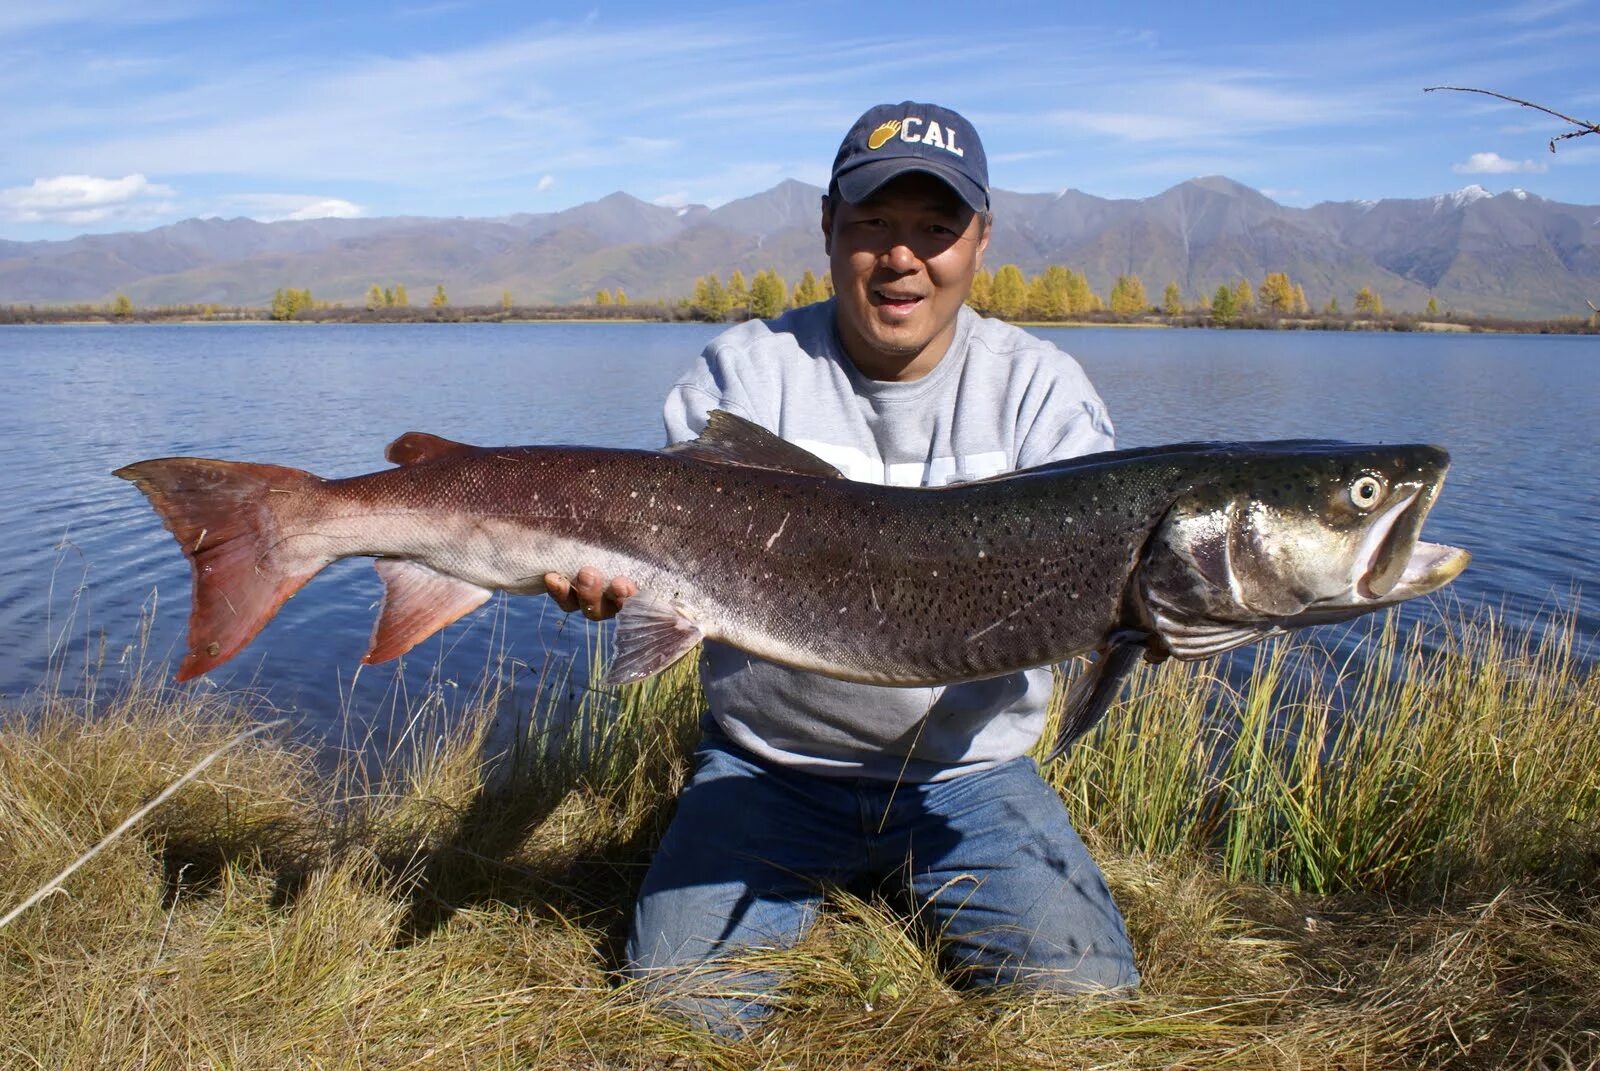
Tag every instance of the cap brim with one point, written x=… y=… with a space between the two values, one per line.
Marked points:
x=860 y=183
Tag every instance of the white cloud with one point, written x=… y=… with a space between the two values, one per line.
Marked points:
x=1492 y=163
x=271 y=207
x=278 y=119
x=327 y=208
x=21 y=18
x=1175 y=107
x=625 y=104
x=649 y=145
x=84 y=199
x=1023 y=156
x=675 y=199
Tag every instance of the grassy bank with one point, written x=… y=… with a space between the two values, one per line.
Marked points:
x=1400 y=868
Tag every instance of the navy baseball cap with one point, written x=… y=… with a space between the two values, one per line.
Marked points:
x=890 y=140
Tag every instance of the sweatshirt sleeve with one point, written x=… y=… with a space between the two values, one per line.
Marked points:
x=711 y=382
x=1068 y=418
x=1067 y=426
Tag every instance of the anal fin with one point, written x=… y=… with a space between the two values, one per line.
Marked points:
x=417 y=602
x=650 y=637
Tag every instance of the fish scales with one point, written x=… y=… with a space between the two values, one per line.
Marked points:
x=964 y=582
x=1186 y=550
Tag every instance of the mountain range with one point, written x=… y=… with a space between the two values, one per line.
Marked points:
x=1512 y=254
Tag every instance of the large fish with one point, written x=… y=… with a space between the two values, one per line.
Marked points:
x=1183 y=551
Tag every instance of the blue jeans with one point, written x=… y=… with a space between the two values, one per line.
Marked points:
x=990 y=858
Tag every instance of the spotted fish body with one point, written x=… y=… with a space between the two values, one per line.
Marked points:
x=742 y=538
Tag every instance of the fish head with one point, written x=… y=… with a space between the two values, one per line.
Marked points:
x=1284 y=535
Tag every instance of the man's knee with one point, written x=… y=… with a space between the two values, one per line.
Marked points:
x=713 y=996
x=1014 y=958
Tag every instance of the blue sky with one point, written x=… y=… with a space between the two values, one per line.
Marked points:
x=125 y=116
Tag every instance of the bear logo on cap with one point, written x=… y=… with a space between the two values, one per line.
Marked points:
x=880 y=137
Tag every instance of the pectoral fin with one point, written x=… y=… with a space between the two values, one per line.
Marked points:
x=650 y=636
x=417 y=602
x=1093 y=693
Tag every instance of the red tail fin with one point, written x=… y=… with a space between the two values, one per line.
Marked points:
x=223 y=515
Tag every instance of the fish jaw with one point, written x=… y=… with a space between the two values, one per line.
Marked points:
x=1429 y=567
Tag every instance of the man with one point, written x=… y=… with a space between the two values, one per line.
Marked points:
x=801 y=782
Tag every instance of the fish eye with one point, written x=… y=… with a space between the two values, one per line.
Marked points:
x=1366 y=491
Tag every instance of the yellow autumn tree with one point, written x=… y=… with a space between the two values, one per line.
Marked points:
x=710 y=297
x=1172 y=300
x=1277 y=293
x=738 y=290
x=1049 y=296
x=1244 y=297
x=440 y=299
x=768 y=294
x=981 y=293
x=1080 y=298
x=1008 y=297
x=288 y=304
x=808 y=291
x=1127 y=296
x=1368 y=301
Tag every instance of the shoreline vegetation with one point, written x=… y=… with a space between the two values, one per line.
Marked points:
x=1055 y=297
x=1390 y=861
x=654 y=313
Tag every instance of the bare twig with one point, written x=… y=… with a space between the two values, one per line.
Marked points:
x=129 y=822
x=1584 y=126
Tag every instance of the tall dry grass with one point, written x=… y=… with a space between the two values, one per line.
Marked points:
x=1406 y=877
x=1456 y=754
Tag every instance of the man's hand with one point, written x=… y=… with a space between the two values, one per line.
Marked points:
x=589 y=592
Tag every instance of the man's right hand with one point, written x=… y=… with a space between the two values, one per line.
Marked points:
x=589 y=592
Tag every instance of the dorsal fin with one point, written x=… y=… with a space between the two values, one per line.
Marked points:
x=415 y=447
x=733 y=440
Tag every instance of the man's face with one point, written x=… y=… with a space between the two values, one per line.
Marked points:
x=902 y=263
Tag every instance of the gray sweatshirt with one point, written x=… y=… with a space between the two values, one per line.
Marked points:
x=999 y=400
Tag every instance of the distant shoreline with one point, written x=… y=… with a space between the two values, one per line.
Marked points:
x=637 y=314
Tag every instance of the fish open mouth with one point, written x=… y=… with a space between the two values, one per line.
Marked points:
x=1386 y=548
x=1401 y=565
x=1396 y=563
x=1392 y=563
x=1430 y=567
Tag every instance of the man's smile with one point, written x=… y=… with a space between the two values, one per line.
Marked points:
x=894 y=301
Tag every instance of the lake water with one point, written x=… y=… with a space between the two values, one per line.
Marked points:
x=86 y=558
